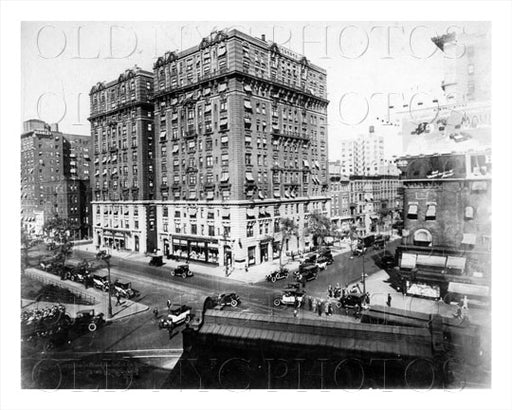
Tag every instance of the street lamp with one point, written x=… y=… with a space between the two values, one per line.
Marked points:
x=106 y=259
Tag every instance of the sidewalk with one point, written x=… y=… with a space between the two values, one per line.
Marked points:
x=254 y=274
x=378 y=288
x=127 y=308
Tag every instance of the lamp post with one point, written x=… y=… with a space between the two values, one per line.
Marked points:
x=106 y=259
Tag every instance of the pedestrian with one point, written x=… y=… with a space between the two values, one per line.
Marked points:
x=326 y=308
x=329 y=291
x=465 y=302
x=293 y=256
x=169 y=304
x=295 y=307
x=310 y=303
x=118 y=297
x=389 y=300
x=320 y=307
x=155 y=312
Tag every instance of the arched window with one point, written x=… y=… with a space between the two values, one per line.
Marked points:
x=422 y=237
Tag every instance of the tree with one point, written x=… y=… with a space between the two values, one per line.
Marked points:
x=319 y=226
x=27 y=243
x=58 y=229
x=288 y=228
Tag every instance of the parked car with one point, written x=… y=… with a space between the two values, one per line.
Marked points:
x=101 y=282
x=228 y=299
x=327 y=256
x=125 y=289
x=308 y=258
x=86 y=319
x=182 y=270
x=279 y=274
x=181 y=314
x=308 y=272
x=354 y=300
x=289 y=297
x=156 y=261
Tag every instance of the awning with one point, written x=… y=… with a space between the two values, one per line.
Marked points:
x=193 y=195
x=249 y=177
x=192 y=212
x=163 y=134
x=222 y=87
x=114 y=171
x=221 y=51
x=408 y=260
x=260 y=195
x=224 y=138
x=317 y=165
x=293 y=194
x=286 y=194
x=431 y=260
x=97 y=161
x=175 y=149
x=104 y=172
x=247 y=105
x=225 y=212
x=97 y=173
x=224 y=157
x=247 y=121
x=209 y=195
x=277 y=194
x=223 y=122
x=174 y=116
x=248 y=138
x=247 y=88
x=86 y=157
x=189 y=95
x=250 y=213
x=469 y=239
x=468 y=289
x=275 y=127
x=305 y=163
x=174 y=101
x=224 y=177
x=114 y=157
x=456 y=262
x=207 y=108
x=413 y=209
x=104 y=160
x=431 y=211
x=191 y=144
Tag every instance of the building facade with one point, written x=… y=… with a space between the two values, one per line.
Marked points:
x=241 y=142
x=447 y=223
x=339 y=189
x=374 y=200
x=54 y=178
x=123 y=145
x=363 y=155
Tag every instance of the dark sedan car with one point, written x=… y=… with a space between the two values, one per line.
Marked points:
x=183 y=271
x=228 y=299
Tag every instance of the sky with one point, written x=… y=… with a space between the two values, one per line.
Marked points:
x=368 y=64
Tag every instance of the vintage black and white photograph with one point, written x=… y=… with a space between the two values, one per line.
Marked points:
x=256 y=205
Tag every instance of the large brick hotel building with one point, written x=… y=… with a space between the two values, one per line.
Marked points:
x=240 y=141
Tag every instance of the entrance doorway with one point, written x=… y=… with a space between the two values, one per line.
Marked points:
x=136 y=239
x=264 y=252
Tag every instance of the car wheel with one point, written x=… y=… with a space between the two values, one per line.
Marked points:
x=273 y=280
x=92 y=327
x=184 y=275
x=338 y=305
x=187 y=319
x=277 y=302
x=234 y=302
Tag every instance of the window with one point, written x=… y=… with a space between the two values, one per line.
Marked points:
x=193 y=229
x=250 y=230
x=412 y=212
x=209 y=161
x=469 y=213
x=247 y=159
x=211 y=230
x=431 y=212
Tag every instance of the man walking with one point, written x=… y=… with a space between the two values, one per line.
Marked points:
x=118 y=297
x=389 y=300
x=320 y=307
x=169 y=304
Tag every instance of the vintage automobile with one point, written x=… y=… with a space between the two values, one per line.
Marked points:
x=307 y=272
x=86 y=319
x=289 y=297
x=156 y=260
x=178 y=315
x=125 y=289
x=354 y=300
x=322 y=263
x=182 y=270
x=101 y=282
x=228 y=299
x=279 y=274
x=326 y=256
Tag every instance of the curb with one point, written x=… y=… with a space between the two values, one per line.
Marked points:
x=109 y=320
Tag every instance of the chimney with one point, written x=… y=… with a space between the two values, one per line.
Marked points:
x=54 y=127
x=263 y=37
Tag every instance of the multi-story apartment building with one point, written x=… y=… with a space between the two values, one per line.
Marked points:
x=122 y=129
x=363 y=155
x=339 y=188
x=447 y=223
x=54 y=178
x=369 y=197
x=241 y=142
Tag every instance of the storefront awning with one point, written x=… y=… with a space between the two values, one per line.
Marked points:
x=189 y=96
x=408 y=260
x=456 y=262
x=174 y=116
x=468 y=289
x=431 y=261
x=469 y=239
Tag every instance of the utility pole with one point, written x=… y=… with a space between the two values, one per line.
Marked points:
x=106 y=259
